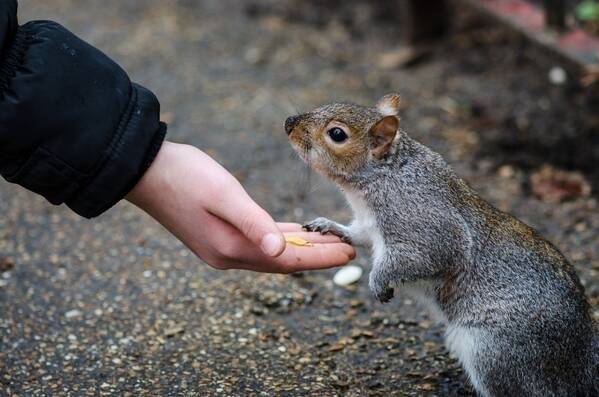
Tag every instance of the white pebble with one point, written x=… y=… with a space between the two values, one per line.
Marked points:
x=557 y=75
x=73 y=313
x=348 y=275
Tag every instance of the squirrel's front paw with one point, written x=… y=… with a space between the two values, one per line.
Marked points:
x=324 y=225
x=380 y=288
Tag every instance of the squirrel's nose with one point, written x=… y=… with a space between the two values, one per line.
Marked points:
x=290 y=123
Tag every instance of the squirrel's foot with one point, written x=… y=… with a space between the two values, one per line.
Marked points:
x=380 y=288
x=324 y=226
x=385 y=295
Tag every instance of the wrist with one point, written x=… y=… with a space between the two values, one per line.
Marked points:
x=153 y=180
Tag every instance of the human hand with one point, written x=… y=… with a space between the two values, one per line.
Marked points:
x=206 y=208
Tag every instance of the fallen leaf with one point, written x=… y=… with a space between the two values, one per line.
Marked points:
x=554 y=186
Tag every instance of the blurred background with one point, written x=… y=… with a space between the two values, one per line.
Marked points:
x=116 y=306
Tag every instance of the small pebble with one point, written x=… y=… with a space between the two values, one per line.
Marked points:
x=557 y=75
x=73 y=313
x=348 y=275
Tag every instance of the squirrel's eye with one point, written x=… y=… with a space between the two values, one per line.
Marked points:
x=337 y=134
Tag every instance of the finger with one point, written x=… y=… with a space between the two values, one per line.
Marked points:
x=319 y=256
x=295 y=259
x=314 y=237
x=289 y=227
x=237 y=208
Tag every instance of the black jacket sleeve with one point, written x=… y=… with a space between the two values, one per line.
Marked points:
x=73 y=127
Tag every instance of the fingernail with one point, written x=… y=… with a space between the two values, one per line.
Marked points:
x=271 y=244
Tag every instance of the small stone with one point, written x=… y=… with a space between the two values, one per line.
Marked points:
x=174 y=330
x=557 y=75
x=356 y=303
x=336 y=347
x=73 y=313
x=294 y=350
x=329 y=330
x=347 y=275
x=427 y=387
x=374 y=384
x=305 y=360
x=6 y=263
x=506 y=171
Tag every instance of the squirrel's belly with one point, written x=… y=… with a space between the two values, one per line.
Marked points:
x=466 y=343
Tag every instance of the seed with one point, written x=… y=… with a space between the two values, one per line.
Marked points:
x=300 y=242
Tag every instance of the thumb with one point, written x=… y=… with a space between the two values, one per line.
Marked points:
x=252 y=221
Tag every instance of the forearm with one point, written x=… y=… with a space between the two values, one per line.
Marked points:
x=73 y=128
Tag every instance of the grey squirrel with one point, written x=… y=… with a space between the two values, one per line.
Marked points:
x=516 y=314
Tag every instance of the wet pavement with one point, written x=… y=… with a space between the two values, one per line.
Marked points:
x=116 y=306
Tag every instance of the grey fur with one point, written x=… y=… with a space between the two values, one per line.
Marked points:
x=516 y=312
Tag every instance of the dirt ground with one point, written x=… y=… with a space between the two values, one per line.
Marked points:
x=116 y=306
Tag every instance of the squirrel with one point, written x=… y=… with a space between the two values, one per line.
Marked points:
x=515 y=311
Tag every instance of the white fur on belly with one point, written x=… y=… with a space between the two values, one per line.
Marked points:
x=365 y=226
x=465 y=343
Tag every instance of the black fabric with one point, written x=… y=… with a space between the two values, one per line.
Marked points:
x=73 y=127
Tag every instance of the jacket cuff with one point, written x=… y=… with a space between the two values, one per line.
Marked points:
x=136 y=143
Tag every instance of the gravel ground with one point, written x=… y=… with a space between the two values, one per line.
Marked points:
x=116 y=306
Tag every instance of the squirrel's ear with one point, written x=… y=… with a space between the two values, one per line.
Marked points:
x=383 y=133
x=388 y=105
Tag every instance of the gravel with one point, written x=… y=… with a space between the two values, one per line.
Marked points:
x=116 y=306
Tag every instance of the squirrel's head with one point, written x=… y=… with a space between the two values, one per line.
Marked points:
x=339 y=138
